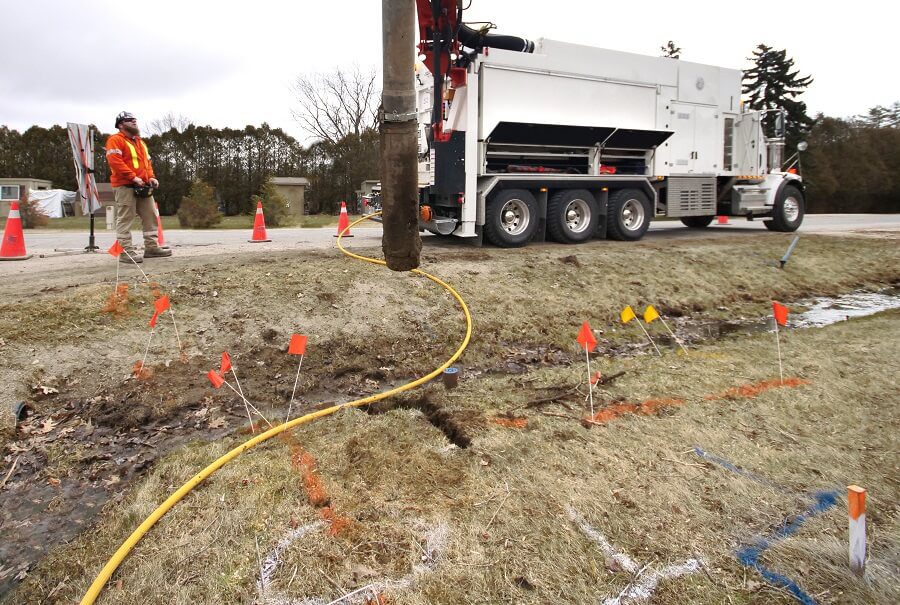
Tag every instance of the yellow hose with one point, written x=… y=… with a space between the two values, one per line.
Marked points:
x=100 y=581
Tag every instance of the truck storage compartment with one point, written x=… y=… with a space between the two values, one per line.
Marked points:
x=553 y=148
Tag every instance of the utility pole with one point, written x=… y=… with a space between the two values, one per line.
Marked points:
x=400 y=243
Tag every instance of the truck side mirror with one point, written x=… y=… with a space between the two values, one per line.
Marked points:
x=779 y=124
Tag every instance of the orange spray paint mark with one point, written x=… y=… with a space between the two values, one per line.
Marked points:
x=141 y=371
x=117 y=302
x=617 y=410
x=154 y=290
x=318 y=497
x=511 y=423
x=749 y=391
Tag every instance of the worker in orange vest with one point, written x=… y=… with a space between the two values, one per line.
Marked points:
x=132 y=179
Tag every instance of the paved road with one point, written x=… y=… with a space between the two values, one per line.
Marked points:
x=46 y=242
x=46 y=245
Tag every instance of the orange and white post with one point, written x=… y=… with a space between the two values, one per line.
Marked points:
x=856 y=503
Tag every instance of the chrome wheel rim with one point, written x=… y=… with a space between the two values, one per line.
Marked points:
x=515 y=217
x=633 y=214
x=578 y=216
x=791 y=209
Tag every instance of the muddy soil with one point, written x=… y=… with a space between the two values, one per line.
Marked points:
x=94 y=427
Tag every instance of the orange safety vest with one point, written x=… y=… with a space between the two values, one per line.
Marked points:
x=127 y=159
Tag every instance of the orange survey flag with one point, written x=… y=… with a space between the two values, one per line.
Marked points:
x=153 y=319
x=586 y=338
x=627 y=314
x=780 y=312
x=226 y=363
x=116 y=249
x=216 y=380
x=298 y=345
x=650 y=314
x=161 y=304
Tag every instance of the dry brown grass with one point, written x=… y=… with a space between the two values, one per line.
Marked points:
x=502 y=500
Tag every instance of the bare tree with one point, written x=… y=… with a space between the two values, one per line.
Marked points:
x=334 y=105
x=167 y=123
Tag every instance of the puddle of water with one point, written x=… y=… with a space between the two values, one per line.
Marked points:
x=821 y=311
x=826 y=311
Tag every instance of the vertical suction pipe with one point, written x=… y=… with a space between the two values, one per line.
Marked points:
x=400 y=242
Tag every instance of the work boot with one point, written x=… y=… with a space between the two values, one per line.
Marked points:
x=157 y=252
x=134 y=258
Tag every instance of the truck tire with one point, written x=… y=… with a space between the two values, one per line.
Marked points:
x=572 y=216
x=789 y=210
x=510 y=218
x=697 y=222
x=628 y=216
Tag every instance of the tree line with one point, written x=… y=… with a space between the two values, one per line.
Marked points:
x=236 y=163
x=852 y=165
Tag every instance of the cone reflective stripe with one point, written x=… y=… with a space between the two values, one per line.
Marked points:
x=259 y=226
x=343 y=222
x=160 y=236
x=856 y=503
x=13 y=246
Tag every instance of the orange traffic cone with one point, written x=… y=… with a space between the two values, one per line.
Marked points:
x=13 y=246
x=343 y=222
x=259 y=226
x=160 y=236
x=722 y=220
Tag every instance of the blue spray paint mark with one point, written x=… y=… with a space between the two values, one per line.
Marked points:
x=750 y=555
x=738 y=470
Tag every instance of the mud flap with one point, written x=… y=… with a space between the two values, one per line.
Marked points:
x=602 y=197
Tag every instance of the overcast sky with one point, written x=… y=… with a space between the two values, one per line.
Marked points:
x=228 y=63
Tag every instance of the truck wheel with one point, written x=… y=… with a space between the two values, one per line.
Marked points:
x=629 y=214
x=789 y=210
x=510 y=218
x=697 y=222
x=572 y=216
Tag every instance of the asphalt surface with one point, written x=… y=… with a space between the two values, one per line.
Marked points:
x=58 y=250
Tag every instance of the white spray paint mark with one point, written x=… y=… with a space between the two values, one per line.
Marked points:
x=435 y=543
x=624 y=561
x=641 y=590
x=274 y=558
x=643 y=585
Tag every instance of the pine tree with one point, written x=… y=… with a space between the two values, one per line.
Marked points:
x=773 y=82
x=882 y=117
x=670 y=50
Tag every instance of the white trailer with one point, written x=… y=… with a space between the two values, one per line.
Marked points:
x=573 y=142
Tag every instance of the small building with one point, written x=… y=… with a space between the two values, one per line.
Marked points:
x=13 y=190
x=293 y=189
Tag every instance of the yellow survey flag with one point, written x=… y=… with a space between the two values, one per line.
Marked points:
x=650 y=314
x=627 y=314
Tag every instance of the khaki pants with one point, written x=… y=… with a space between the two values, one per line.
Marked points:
x=127 y=206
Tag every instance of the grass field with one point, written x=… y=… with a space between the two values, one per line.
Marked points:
x=497 y=491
